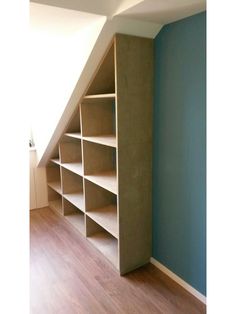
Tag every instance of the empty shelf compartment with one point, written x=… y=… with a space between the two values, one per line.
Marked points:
x=75 y=167
x=106 y=180
x=76 y=198
x=103 y=241
x=74 y=216
x=73 y=188
x=99 y=119
x=70 y=152
x=54 y=177
x=100 y=165
x=101 y=206
x=55 y=200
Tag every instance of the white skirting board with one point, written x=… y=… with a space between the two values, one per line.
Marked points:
x=177 y=279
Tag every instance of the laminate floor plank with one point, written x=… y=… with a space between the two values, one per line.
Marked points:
x=69 y=276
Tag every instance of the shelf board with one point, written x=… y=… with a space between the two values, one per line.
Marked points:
x=74 y=135
x=107 y=245
x=56 y=186
x=56 y=161
x=76 y=198
x=56 y=205
x=106 y=217
x=111 y=95
x=75 y=167
x=77 y=220
x=106 y=180
x=108 y=140
x=99 y=99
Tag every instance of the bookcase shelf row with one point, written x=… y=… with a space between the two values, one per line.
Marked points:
x=99 y=175
x=105 y=179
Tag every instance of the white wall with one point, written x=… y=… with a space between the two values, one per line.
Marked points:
x=38 y=184
x=60 y=43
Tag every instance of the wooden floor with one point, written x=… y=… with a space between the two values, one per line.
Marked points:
x=68 y=275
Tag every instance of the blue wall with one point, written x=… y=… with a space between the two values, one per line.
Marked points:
x=179 y=174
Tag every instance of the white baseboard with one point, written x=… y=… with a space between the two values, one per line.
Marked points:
x=180 y=281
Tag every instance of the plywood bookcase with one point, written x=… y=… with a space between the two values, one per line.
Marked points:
x=99 y=177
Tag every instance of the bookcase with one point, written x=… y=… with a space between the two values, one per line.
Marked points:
x=99 y=175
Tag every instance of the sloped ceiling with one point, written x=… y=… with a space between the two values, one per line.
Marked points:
x=102 y=7
x=156 y=11
x=164 y=11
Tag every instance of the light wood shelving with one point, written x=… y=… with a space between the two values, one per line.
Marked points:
x=75 y=167
x=109 y=140
x=53 y=177
x=72 y=187
x=107 y=218
x=56 y=161
x=100 y=165
x=55 y=200
x=107 y=245
x=99 y=175
x=76 y=198
x=99 y=120
x=74 y=135
x=56 y=205
x=74 y=216
x=101 y=206
x=56 y=186
x=105 y=179
x=71 y=156
x=100 y=96
x=102 y=240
